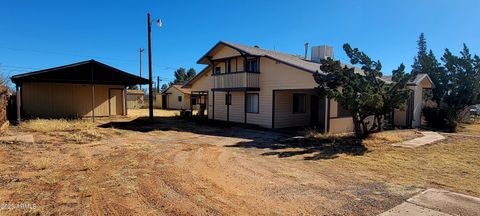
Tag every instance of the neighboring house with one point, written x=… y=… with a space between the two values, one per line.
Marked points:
x=135 y=98
x=176 y=97
x=251 y=85
x=84 y=89
x=411 y=116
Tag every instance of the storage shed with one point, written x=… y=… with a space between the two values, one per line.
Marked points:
x=84 y=89
x=135 y=98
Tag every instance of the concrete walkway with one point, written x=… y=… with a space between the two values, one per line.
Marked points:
x=22 y=138
x=427 y=138
x=437 y=202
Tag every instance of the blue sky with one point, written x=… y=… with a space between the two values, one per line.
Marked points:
x=40 y=34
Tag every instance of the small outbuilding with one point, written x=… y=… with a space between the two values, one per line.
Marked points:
x=176 y=97
x=83 y=89
x=135 y=98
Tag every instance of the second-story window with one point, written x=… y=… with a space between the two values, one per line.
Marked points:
x=217 y=70
x=252 y=65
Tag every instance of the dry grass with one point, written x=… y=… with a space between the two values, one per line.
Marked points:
x=389 y=137
x=53 y=125
x=41 y=163
x=472 y=128
x=76 y=131
x=385 y=137
x=452 y=164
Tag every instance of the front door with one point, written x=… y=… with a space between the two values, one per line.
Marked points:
x=164 y=101
x=116 y=102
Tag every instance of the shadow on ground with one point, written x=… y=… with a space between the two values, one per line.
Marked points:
x=282 y=145
x=318 y=148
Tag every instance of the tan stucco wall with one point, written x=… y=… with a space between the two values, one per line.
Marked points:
x=172 y=99
x=52 y=100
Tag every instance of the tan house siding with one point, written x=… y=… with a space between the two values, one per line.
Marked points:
x=220 y=111
x=205 y=83
x=284 y=109
x=50 y=100
x=339 y=124
x=278 y=76
x=273 y=76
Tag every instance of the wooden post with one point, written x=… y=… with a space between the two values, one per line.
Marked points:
x=93 y=95
x=213 y=105
x=19 y=103
x=245 y=107
x=93 y=102
x=229 y=100
x=150 y=80
x=125 y=104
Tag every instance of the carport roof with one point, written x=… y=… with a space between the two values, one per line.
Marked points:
x=86 y=72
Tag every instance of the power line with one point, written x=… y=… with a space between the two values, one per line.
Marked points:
x=165 y=67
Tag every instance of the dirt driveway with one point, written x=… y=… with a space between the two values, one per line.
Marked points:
x=176 y=167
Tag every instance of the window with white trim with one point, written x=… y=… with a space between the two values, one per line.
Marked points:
x=252 y=103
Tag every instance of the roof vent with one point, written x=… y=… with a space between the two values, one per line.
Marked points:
x=321 y=52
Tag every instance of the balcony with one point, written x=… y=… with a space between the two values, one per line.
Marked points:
x=248 y=81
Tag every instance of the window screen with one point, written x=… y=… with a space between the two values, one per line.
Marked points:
x=252 y=103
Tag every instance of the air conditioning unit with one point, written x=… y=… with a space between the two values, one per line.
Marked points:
x=321 y=52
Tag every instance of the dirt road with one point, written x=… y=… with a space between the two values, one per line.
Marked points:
x=187 y=170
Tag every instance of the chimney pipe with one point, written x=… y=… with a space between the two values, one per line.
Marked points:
x=306 y=50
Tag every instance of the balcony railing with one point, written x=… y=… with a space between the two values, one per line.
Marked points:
x=237 y=80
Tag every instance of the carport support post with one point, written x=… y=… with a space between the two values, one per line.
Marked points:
x=18 y=101
x=93 y=95
x=125 y=105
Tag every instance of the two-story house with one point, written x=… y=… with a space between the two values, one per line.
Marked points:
x=271 y=89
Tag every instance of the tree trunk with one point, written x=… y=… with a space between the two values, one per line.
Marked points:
x=380 y=124
x=357 y=124
x=365 y=129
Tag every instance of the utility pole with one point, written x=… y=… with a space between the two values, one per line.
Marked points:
x=150 y=87
x=141 y=51
x=158 y=84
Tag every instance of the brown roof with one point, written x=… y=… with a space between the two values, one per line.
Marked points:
x=285 y=58
x=180 y=88
x=415 y=81
x=90 y=71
